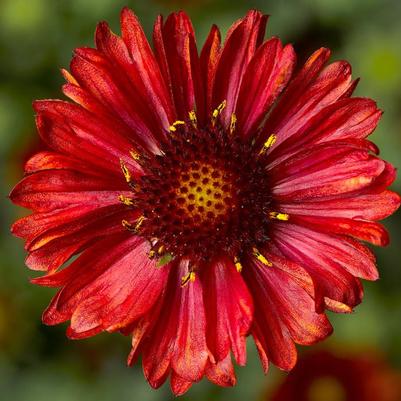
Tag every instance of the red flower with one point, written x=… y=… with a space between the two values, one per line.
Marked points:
x=324 y=375
x=199 y=214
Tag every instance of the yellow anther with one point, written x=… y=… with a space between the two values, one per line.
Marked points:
x=217 y=112
x=161 y=249
x=138 y=223
x=220 y=108
x=135 y=155
x=151 y=254
x=174 y=125
x=268 y=144
x=279 y=216
x=126 y=201
x=261 y=258
x=125 y=171
x=192 y=117
x=233 y=123
x=237 y=264
x=127 y=225
x=187 y=278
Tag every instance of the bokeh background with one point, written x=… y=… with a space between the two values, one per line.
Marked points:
x=36 y=39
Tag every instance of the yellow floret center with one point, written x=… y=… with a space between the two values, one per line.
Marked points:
x=205 y=192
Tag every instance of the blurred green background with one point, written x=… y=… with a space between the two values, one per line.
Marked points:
x=36 y=39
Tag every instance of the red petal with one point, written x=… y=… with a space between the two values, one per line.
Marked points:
x=269 y=330
x=40 y=228
x=114 y=91
x=161 y=57
x=89 y=102
x=325 y=171
x=280 y=295
x=73 y=335
x=108 y=118
x=353 y=256
x=374 y=206
x=309 y=92
x=222 y=373
x=336 y=306
x=383 y=181
x=178 y=41
x=137 y=339
x=51 y=257
x=284 y=311
x=50 y=316
x=140 y=329
x=331 y=261
x=68 y=77
x=277 y=346
x=208 y=63
x=73 y=131
x=190 y=352
x=72 y=208
x=179 y=386
x=142 y=66
x=229 y=311
x=368 y=231
x=266 y=76
x=354 y=118
x=52 y=254
x=85 y=321
x=46 y=160
x=179 y=337
x=54 y=189
x=117 y=288
x=239 y=48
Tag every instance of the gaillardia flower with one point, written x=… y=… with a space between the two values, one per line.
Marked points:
x=324 y=375
x=208 y=197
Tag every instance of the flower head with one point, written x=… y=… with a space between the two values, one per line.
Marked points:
x=208 y=197
x=326 y=375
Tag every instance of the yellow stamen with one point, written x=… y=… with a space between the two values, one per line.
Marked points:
x=187 y=278
x=268 y=144
x=192 y=117
x=217 y=112
x=135 y=155
x=233 y=123
x=261 y=258
x=161 y=249
x=139 y=223
x=279 y=216
x=237 y=264
x=151 y=254
x=126 y=201
x=125 y=171
x=174 y=125
x=127 y=225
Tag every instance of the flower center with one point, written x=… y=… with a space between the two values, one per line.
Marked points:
x=206 y=194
